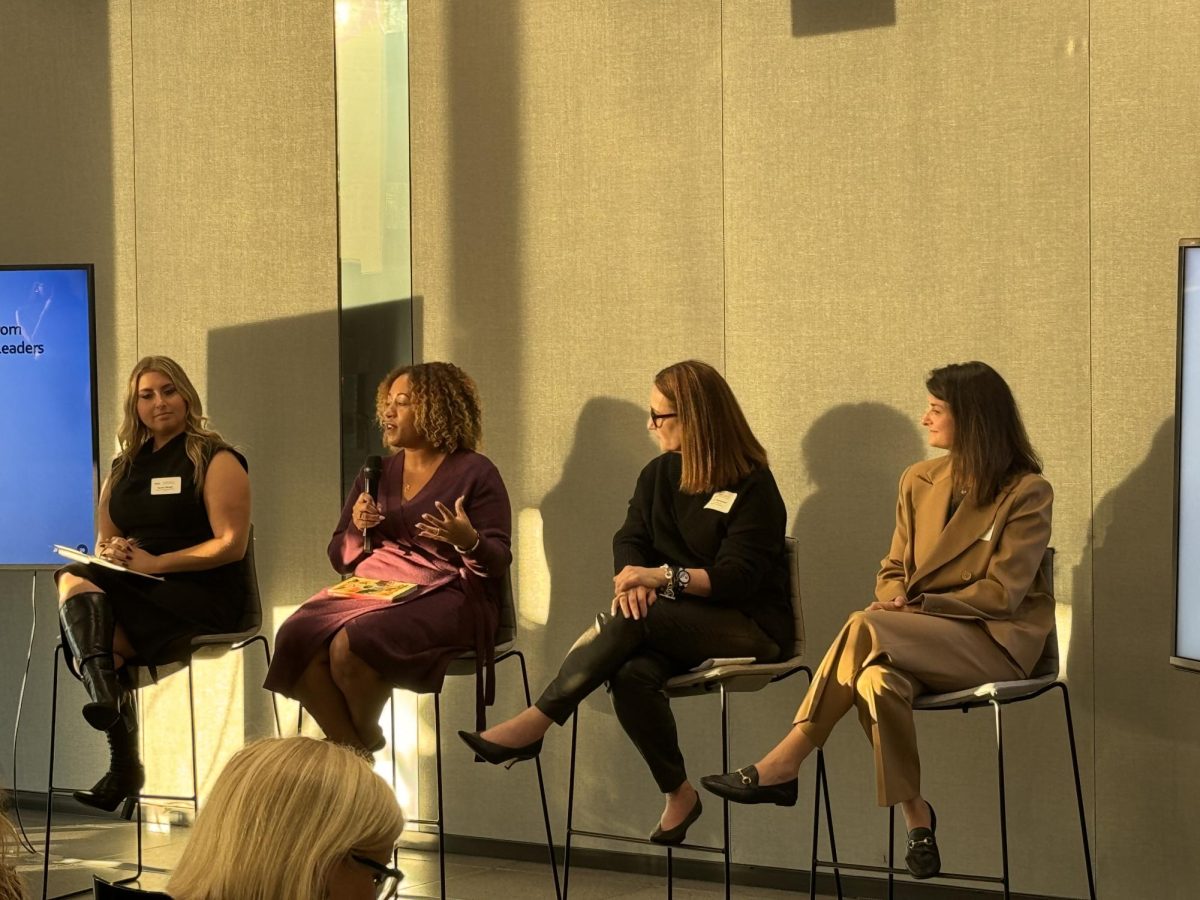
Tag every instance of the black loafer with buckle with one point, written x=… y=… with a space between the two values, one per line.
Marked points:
x=742 y=787
x=922 y=859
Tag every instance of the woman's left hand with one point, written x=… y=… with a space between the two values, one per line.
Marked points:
x=897 y=604
x=139 y=560
x=639 y=576
x=452 y=527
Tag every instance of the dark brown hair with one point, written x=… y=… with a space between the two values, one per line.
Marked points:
x=717 y=445
x=445 y=401
x=991 y=446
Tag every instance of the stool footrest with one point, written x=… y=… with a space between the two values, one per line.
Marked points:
x=608 y=836
x=885 y=870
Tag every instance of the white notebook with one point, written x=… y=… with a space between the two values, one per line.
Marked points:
x=75 y=556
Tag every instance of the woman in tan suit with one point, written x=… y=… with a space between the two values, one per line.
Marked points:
x=971 y=529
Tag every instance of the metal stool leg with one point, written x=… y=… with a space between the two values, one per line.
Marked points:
x=541 y=783
x=837 y=873
x=1003 y=806
x=441 y=820
x=1087 y=852
x=570 y=805
x=725 y=803
x=50 y=775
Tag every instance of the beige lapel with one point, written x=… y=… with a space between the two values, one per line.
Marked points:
x=937 y=546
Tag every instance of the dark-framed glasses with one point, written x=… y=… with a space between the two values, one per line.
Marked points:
x=656 y=418
x=387 y=878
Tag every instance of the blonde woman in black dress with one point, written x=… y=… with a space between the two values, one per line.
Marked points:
x=176 y=505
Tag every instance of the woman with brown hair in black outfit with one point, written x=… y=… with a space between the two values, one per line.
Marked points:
x=700 y=572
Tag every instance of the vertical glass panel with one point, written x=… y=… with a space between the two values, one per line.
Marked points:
x=373 y=212
x=376 y=265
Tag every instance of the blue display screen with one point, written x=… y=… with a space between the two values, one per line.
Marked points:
x=47 y=413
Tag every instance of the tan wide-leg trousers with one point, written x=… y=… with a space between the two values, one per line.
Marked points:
x=879 y=662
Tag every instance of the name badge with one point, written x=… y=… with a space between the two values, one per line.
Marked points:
x=166 y=485
x=722 y=501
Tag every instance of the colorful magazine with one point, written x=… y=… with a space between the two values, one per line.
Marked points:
x=372 y=588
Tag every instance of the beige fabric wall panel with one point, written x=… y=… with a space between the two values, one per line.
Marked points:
x=64 y=148
x=1145 y=197
x=897 y=198
x=567 y=245
x=235 y=152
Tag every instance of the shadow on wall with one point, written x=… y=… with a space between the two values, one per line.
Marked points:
x=811 y=17
x=581 y=513
x=1131 y=558
x=272 y=391
x=854 y=455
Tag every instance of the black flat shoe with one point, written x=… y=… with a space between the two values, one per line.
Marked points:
x=742 y=787
x=498 y=754
x=922 y=859
x=676 y=835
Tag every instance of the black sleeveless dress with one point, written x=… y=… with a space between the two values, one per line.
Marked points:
x=161 y=617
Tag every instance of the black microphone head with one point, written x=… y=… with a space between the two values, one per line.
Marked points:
x=371 y=471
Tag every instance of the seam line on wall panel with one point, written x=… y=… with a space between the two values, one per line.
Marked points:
x=1095 y=833
x=724 y=236
x=137 y=329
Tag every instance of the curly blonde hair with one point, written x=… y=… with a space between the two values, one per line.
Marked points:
x=202 y=442
x=445 y=403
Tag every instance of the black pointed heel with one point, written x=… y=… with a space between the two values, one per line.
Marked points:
x=676 y=835
x=497 y=754
x=128 y=807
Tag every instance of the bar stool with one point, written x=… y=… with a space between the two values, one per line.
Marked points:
x=1044 y=678
x=247 y=634
x=505 y=648
x=723 y=680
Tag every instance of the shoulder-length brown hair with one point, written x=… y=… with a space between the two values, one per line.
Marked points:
x=716 y=443
x=446 y=410
x=991 y=446
x=202 y=441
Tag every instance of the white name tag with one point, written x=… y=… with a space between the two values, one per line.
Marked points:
x=166 y=485
x=987 y=535
x=721 y=501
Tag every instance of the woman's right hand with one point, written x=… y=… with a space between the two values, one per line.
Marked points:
x=117 y=550
x=366 y=513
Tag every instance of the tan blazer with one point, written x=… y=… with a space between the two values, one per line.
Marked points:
x=982 y=564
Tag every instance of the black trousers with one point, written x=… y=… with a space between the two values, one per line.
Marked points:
x=637 y=657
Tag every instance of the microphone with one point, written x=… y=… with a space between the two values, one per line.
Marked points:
x=371 y=469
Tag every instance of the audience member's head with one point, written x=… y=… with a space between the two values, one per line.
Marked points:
x=291 y=819
x=12 y=885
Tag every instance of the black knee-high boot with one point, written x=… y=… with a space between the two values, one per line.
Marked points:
x=88 y=626
x=125 y=775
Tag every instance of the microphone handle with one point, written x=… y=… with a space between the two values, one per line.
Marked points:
x=367 y=540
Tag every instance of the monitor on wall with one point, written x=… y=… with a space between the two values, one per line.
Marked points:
x=1187 y=461
x=48 y=436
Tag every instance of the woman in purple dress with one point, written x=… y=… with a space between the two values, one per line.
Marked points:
x=441 y=521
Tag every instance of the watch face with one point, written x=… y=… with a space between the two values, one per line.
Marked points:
x=684 y=577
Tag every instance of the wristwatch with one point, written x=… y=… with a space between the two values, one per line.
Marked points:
x=682 y=578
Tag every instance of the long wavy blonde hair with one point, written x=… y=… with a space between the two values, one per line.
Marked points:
x=281 y=815
x=202 y=442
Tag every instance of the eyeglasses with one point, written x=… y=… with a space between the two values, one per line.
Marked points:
x=387 y=879
x=656 y=418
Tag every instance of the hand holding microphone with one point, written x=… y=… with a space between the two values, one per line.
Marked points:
x=366 y=514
